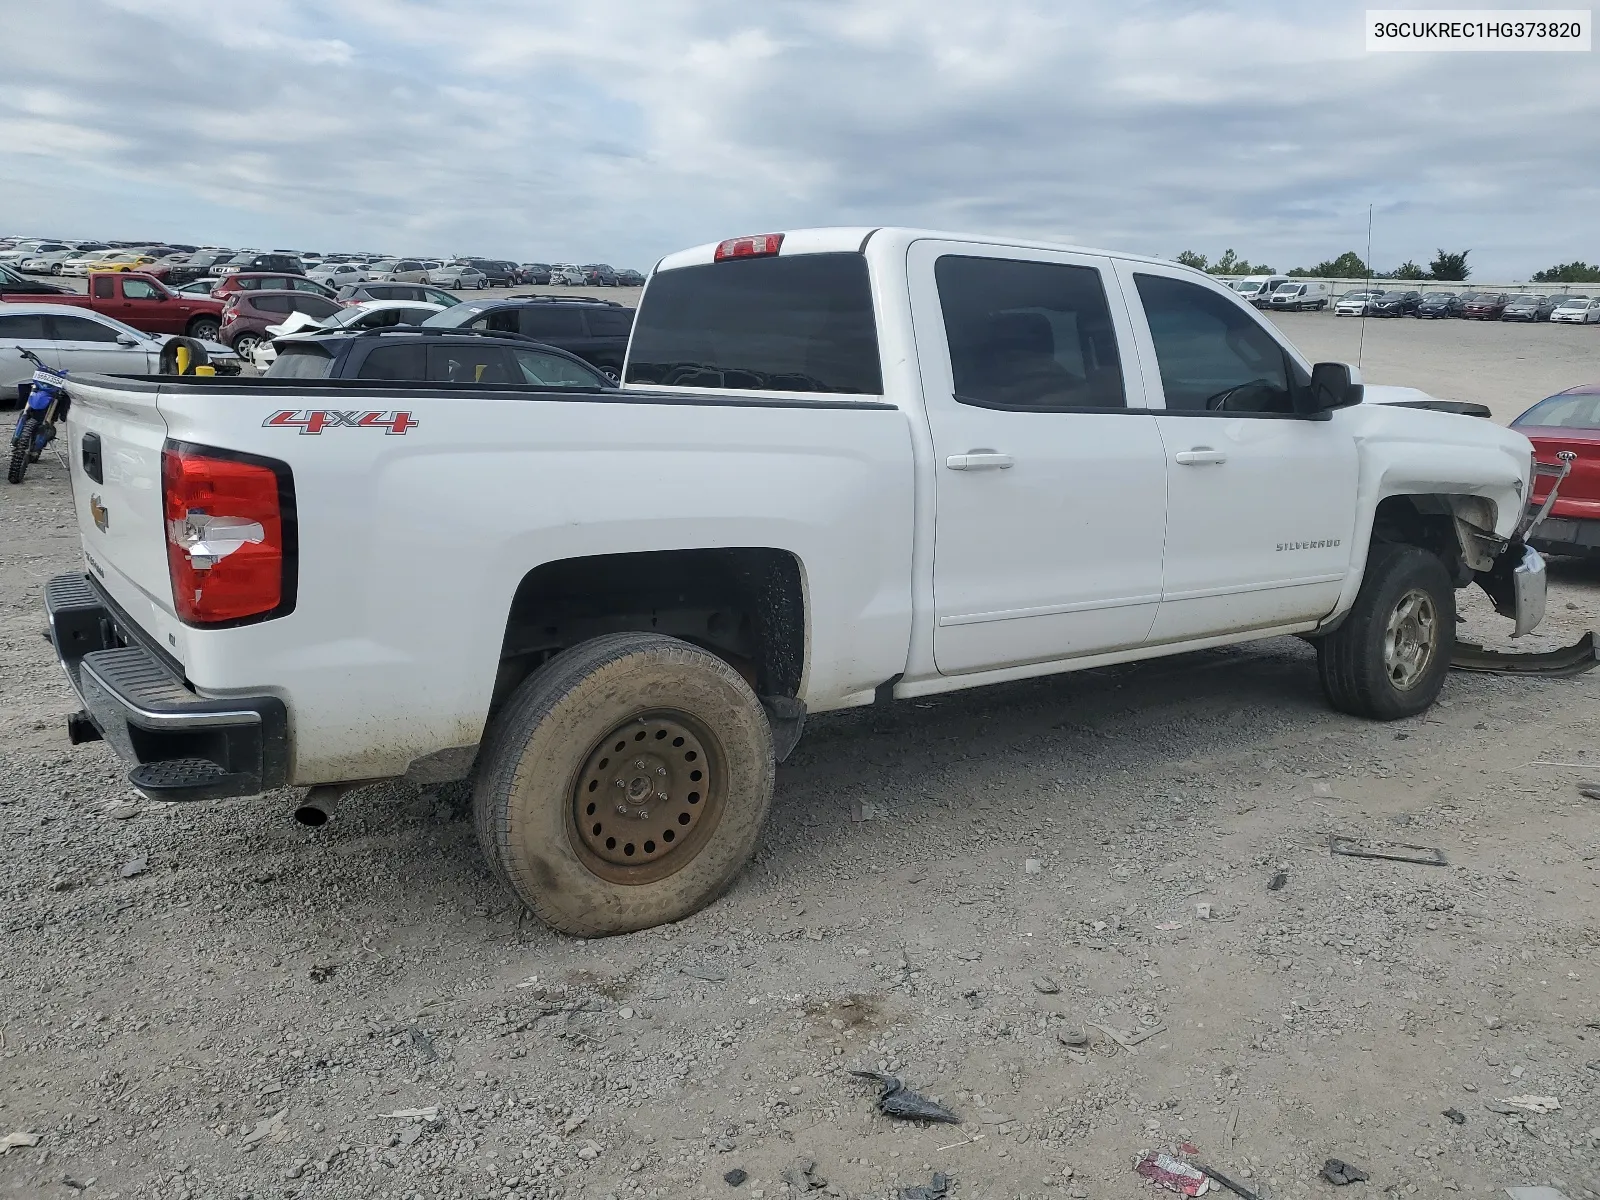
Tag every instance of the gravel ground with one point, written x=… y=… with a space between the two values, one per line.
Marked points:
x=981 y=892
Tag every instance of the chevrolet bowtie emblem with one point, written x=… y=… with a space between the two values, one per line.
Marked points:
x=102 y=517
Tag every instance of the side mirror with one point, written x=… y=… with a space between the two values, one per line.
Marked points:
x=127 y=340
x=1334 y=385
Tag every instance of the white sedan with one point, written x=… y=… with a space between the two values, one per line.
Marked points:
x=458 y=276
x=336 y=275
x=371 y=314
x=75 y=339
x=1578 y=310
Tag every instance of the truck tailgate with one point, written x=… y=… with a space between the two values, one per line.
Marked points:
x=115 y=435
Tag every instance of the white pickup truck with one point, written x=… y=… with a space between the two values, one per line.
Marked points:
x=846 y=465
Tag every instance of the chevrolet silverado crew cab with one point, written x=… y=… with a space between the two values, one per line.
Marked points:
x=845 y=465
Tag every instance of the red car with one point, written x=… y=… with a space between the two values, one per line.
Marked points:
x=1486 y=306
x=1567 y=421
x=246 y=315
x=267 y=281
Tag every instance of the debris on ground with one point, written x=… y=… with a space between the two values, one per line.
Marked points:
x=422 y=1043
x=1202 y=910
x=1535 y=1193
x=135 y=866
x=1171 y=1172
x=897 y=1100
x=1583 y=655
x=1129 y=1040
x=1428 y=856
x=122 y=810
x=704 y=972
x=1535 y=1104
x=431 y=1113
x=1045 y=986
x=803 y=1176
x=1589 y=790
x=268 y=1129
x=1238 y=1189
x=18 y=1141
x=1075 y=1038
x=1033 y=866
x=1278 y=882
x=735 y=1177
x=1338 y=1172
x=323 y=971
x=936 y=1189
x=1455 y=1116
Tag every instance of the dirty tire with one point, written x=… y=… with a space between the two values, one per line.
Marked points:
x=1351 y=660
x=22 y=449
x=528 y=775
x=205 y=329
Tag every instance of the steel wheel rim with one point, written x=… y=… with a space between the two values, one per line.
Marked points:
x=1410 y=640
x=643 y=812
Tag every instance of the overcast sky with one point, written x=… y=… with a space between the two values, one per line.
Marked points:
x=619 y=130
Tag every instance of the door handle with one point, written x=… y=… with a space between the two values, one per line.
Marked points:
x=980 y=460
x=1200 y=456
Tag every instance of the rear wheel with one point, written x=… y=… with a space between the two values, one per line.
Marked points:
x=22 y=449
x=1390 y=657
x=624 y=784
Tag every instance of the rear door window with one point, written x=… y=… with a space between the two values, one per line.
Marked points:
x=25 y=327
x=271 y=304
x=1029 y=335
x=499 y=320
x=803 y=323
x=610 y=322
x=472 y=364
x=312 y=306
x=395 y=362
x=553 y=322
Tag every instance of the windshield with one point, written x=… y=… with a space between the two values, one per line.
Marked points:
x=387 y=264
x=1358 y=296
x=1575 y=302
x=1580 y=411
x=1437 y=295
x=802 y=323
x=1247 y=288
x=1525 y=299
x=1287 y=288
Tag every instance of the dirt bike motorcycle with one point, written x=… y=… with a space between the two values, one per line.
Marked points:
x=46 y=403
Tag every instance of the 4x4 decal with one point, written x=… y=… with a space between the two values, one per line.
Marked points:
x=315 y=420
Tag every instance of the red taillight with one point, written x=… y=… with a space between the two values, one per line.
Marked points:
x=226 y=528
x=756 y=246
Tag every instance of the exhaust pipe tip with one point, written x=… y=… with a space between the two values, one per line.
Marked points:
x=317 y=807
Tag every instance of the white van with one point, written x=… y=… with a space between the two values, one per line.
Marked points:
x=1295 y=295
x=1257 y=288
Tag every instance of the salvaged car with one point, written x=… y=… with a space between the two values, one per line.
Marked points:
x=845 y=467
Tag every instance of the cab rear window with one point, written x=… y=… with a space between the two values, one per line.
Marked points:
x=798 y=324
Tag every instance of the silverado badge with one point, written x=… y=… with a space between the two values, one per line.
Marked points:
x=102 y=517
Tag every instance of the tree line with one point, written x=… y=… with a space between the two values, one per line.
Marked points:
x=1446 y=267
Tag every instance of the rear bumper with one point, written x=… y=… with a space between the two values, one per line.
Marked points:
x=180 y=745
x=1567 y=535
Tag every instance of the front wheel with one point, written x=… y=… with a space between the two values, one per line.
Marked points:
x=204 y=329
x=624 y=784
x=1390 y=657
x=22 y=449
x=245 y=344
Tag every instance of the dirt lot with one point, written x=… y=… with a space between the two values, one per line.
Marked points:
x=982 y=892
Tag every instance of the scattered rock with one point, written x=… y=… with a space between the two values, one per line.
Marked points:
x=1202 y=910
x=1072 y=1037
x=135 y=866
x=590 y=1151
x=1494 y=1023
x=122 y=810
x=735 y=1177
x=704 y=972
x=1338 y=1172
x=1033 y=866
x=1455 y=1116
x=803 y=1176
x=268 y=1129
x=18 y=1141
x=936 y=1189
x=1278 y=882
x=1045 y=986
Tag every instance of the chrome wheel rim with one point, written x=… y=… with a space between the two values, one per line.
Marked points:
x=1410 y=640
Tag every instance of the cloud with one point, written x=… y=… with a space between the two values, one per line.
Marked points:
x=623 y=129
